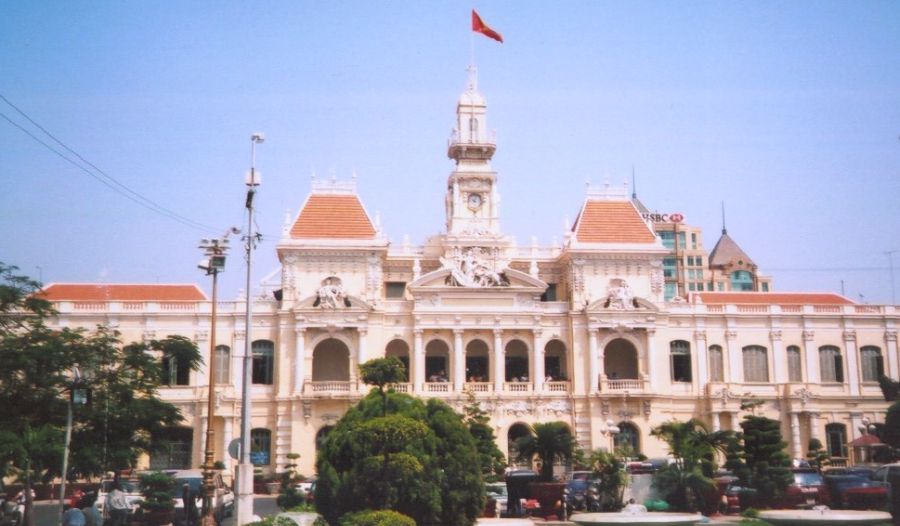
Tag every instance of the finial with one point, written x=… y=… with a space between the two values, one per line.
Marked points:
x=633 y=184
x=473 y=78
x=724 y=230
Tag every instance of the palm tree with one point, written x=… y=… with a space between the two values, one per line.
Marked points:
x=550 y=442
x=689 y=479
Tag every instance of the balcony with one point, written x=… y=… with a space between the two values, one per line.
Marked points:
x=329 y=388
x=622 y=385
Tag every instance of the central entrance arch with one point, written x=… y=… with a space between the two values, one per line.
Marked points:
x=620 y=360
x=331 y=361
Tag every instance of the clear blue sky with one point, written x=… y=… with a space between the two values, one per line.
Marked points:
x=787 y=111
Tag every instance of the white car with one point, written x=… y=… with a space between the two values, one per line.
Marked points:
x=223 y=500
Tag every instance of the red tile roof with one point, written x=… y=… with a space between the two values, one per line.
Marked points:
x=115 y=292
x=333 y=216
x=611 y=222
x=774 y=298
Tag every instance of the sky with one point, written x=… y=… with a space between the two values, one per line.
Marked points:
x=788 y=112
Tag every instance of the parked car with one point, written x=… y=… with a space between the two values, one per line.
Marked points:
x=807 y=490
x=223 y=500
x=853 y=488
x=498 y=492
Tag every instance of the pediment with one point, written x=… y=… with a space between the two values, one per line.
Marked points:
x=608 y=304
x=509 y=280
x=347 y=303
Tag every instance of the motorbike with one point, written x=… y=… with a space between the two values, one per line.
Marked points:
x=592 y=500
x=11 y=512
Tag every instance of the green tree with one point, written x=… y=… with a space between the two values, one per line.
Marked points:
x=550 y=442
x=490 y=458
x=428 y=475
x=608 y=469
x=37 y=367
x=766 y=458
x=890 y=434
x=688 y=482
x=816 y=454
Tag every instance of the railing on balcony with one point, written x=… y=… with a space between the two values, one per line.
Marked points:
x=518 y=387
x=401 y=388
x=628 y=384
x=556 y=387
x=478 y=387
x=437 y=387
x=327 y=387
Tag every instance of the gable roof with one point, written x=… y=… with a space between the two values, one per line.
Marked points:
x=774 y=298
x=608 y=221
x=726 y=251
x=333 y=216
x=122 y=292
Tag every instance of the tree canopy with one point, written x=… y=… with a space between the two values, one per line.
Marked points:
x=549 y=441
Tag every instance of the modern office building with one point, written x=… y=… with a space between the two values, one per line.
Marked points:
x=604 y=332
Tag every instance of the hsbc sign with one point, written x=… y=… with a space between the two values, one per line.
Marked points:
x=664 y=218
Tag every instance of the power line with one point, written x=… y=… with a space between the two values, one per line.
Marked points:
x=827 y=269
x=107 y=180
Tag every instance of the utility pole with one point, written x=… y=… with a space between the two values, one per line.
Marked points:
x=244 y=501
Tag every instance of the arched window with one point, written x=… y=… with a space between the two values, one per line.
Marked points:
x=756 y=364
x=223 y=364
x=716 y=364
x=872 y=363
x=516 y=431
x=680 y=357
x=260 y=447
x=400 y=350
x=473 y=129
x=628 y=439
x=836 y=440
x=263 y=362
x=830 y=364
x=741 y=280
x=795 y=368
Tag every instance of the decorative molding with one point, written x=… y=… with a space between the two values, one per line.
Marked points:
x=201 y=335
x=646 y=407
x=804 y=395
x=329 y=418
x=849 y=336
x=519 y=408
x=730 y=334
x=148 y=334
x=890 y=336
x=809 y=336
x=700 y=336
x=724 y=396
x=239 y=334
x=775 y=335
x=604 y=408
x=307 y=410
x=558 y=408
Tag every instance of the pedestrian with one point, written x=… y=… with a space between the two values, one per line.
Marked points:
x=72 y=516
x=117 y=506
x=190 y=505
x=91 y=513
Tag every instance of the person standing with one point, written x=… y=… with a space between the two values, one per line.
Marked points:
x=91 y=513
x=117 y=506
x=190 y=505
x=73 y=516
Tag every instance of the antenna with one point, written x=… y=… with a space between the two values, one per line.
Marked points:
x=633 y=184
x=724 y=230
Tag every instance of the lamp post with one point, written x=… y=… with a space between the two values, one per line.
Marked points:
x=610 y=429
x=215 y=250
x=78 y=394
x=244 y=501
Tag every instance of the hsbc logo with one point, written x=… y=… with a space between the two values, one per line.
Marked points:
x=664 y=218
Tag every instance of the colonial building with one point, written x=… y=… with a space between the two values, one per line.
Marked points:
x=588 y=332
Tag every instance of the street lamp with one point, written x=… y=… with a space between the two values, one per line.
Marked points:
x=79 y=394
x=214 y=249
x=610 y=429
x=244 y=500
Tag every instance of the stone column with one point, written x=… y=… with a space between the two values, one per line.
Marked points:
x=852 y=362
x=812 y=357
x=299 y=357
x=735 y=359
x=362 y=355
x=227 y=437
x=652 y=369
x=537 y=354
x=499 y=361
x=779 y=357
x=237 y=360
x=702 y=361
x=814 y=427
x=202 y=374
x=459 y=362
x=890 y=341
x=796 y=449
x=418 y=361
x=595 y=362
x=735 y=420
x=716 y=422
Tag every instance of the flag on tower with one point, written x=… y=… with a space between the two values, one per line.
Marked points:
x=479 y=26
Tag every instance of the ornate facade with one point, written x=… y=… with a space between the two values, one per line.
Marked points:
x=581 y=332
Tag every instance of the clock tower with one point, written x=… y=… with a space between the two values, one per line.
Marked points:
x=472 y=200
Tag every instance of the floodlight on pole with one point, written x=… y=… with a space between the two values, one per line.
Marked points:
x=244 y=500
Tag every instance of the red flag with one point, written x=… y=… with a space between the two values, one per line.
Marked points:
x=479 y=26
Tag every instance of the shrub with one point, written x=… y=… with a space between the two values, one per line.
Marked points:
x=376 y=518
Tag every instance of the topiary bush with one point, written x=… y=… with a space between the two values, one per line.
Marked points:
x=376 y=518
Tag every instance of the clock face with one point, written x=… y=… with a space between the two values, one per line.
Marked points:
x=475 y=200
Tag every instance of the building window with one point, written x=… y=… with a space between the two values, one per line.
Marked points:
x=690 y=261
x=669 y=267
x=716 y=364
x=223 y=364
x=721 y=286
x=831 y=364
x=260 y=447
x=550 y=293
x=668 y=239
x=671 y=291
x=175 y=373
x=795 y=371
x=628 y=439
x=765 y=287
x=680 y=351
x=741 y=280
x=836 y=440
x=699 y=274
x=395 y=289
x=694 y=241
x=872 y=363
x=699 y=261
x=692 y=286
x=263 y=362
x=756 y=364
x=681 y=243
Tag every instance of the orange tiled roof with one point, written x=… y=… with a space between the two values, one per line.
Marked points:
x=775 y=298
x=333 y=216
x=114 y=292
x=611 y=222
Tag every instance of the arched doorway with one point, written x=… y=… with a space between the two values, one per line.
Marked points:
x=331 y=361
x=174 y=451
x=515 y=432
x=620 y=360
x=321 y=435
x=517 y=362
x=555 y=367
x=628 y=439
x=400 y=350
x=477 y=362
x=437 y=361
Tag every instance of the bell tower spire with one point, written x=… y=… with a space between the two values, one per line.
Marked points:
x=472 y=200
